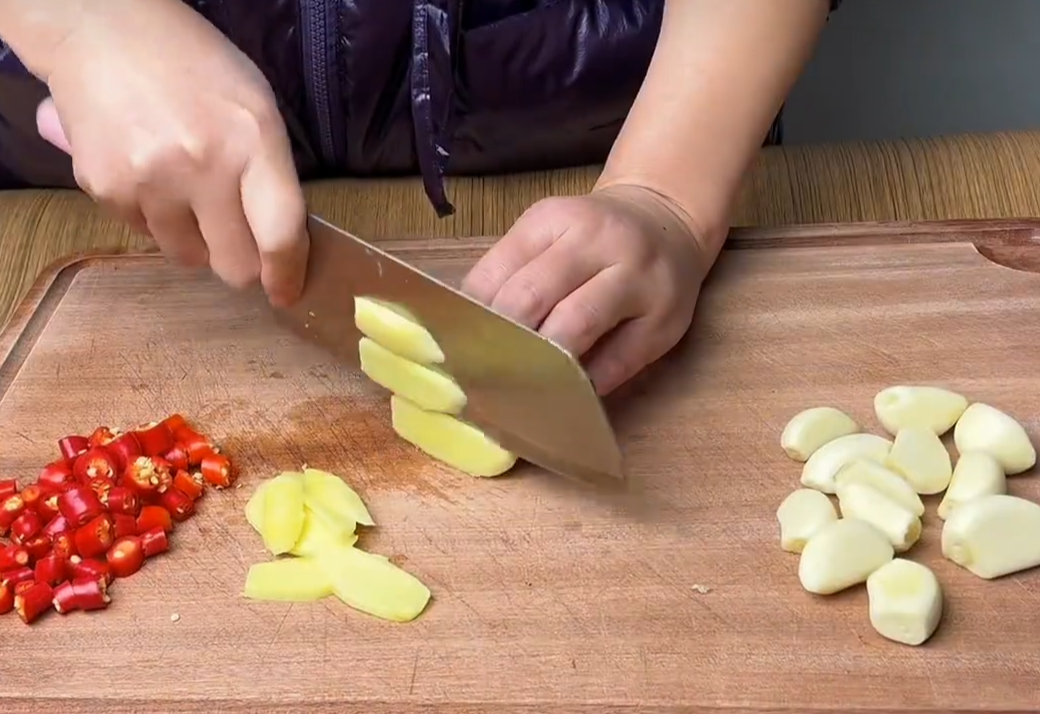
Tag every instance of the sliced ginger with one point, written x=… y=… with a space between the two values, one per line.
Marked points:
x=372 y=584
x=283 y=513
x=449 y=440
x=329 y=495
x=426 y=386
x=319 y=533
x=287 y=580
x=396 y=329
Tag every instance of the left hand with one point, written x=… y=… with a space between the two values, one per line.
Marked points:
x=612 y=277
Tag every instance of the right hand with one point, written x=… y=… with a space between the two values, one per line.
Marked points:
x=175 y=130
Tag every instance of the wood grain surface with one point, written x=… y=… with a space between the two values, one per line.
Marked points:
x=944 y=178
x=673 y=597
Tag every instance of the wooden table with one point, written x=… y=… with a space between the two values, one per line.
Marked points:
x=990 y=176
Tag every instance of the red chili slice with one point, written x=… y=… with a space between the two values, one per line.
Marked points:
x=80 y=504
x=25 y=527
x=101 y=436
x=175 y=422
x=56 y=477
x=93 y=463
x=123 y=525
x=218 y=471
x=13 y=557
x=191 y=485
x=125 y=557
x=154 y=517
x=91 y=568
x=197 y=445
x=6 y=599
x=124 y=501
x=72 y=446
x=90 y=594
x=154 y=541
x=181 y=507
x=65 y=544
x=125 y=449
x=32 y=495
x=148 y=476
x=48 y=507
x=51 y=569
x=13 y=507
x=94 y=538
x=33 y=602
x=21 y=587
x=56 y=525
x=8 y=488
x=38 y=546
x=155 y=439
x=18 y=575
x=64 y=598
x=177 y=457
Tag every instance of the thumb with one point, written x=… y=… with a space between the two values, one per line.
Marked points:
x=49 y=125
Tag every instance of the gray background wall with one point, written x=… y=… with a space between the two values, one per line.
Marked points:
x=896 y=68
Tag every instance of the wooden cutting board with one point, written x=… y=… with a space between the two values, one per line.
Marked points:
x=547 y=598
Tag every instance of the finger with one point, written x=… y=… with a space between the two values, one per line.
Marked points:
x=591 y=311
x=537 y=287
x=48 y=125
x=626 y=351
x=173 y=227
x=524 y=242
x=276 y=211
x=233 y=253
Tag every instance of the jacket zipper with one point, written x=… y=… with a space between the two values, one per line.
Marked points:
x=318 y=20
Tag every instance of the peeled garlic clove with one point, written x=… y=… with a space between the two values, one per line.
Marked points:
x=810 y=429
x=976 y=474
x=819 y=471
x=985 y=428
x=881 y=479
x=906 y=601
x=993 y=536
x=920 y=457
x=921 y=407
x=900 y=526
x=842 y=554
x=800 y=515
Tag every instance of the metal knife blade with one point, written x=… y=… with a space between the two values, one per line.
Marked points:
x=526 y=392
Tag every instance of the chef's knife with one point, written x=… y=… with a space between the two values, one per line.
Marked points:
x=523 y=390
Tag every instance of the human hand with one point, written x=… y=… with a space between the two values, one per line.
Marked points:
x=177 y=132
x=612 y=276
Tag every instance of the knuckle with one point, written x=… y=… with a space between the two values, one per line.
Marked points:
x=582 y=324
x=522 y=299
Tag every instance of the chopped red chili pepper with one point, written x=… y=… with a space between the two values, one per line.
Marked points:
x=125 y=449
x=190 y=485
x=218 y=471
x=175 y=422
x=153 y=517
x=80 y=504
x=6 y=599
x=181 y=507
x=12 y=557
x=8 y=488
x=51 y=569
x=177 y=457
x=34 y=602
x=155 y=439
x=90 y=594
x=148 y=476
x=38 y=546
x=21 y=587
x=126 y=556
x=101 y=485
x=94 y=538
x=65 y=544
x=102 y=436
x=13 y=507
x=93 y=463
x=154 y=541
x=26 y=526
x=48 y=507
x=56 y=477
x=64 y=598
x=197 y=445
x=122 y=500
x=56 y=525
x=123 y=525
x=18 y=575
x=72 y=446
x=91 y=568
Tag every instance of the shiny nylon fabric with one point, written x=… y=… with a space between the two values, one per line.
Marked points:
x=391 y=87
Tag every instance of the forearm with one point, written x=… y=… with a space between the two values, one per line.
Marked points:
x=720 y=73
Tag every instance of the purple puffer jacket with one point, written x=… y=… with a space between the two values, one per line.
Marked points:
x=389 y=87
